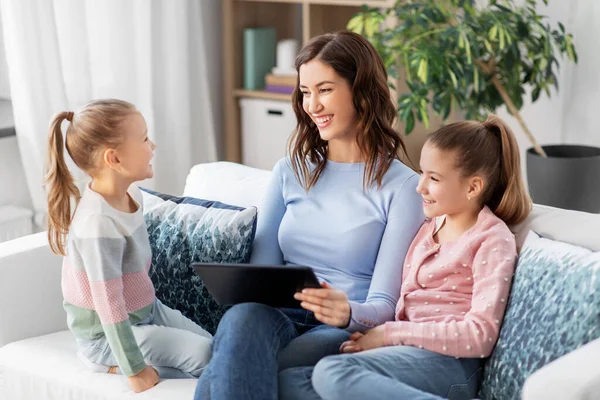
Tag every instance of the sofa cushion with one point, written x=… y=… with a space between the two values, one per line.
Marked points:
x=46 y=367
x=553 y=309
x=228 y=182
x=573 y=227
x=184 y=230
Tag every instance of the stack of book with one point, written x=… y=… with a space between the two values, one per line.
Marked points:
x=280 y=83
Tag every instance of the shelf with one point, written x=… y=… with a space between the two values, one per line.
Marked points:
x=274 y=1
x=351 y=3
x=261 y=94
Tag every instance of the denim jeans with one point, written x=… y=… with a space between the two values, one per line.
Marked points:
x=254 y=342
x=170 y=342
x=395 y=372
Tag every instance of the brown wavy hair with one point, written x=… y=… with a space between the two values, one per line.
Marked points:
x=90 y=131
x=489 y=148
x=356 y=60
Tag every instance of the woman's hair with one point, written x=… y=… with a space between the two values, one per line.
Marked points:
x=489 y=148
x=356 y=60
x=90 y=131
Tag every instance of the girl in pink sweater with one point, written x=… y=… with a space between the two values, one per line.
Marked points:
x=455 y=280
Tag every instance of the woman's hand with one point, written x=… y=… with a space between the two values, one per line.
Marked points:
x=330 y=306
x=144 y=380
x=372 y=339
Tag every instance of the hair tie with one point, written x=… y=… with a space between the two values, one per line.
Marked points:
x=70 y=115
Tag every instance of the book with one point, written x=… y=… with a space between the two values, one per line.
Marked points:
x=281 y=80
x=259 y=56
x=279 y=89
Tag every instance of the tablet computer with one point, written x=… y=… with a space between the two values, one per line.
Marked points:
x=273 y=285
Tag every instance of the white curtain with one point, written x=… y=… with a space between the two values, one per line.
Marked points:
x=63 y=53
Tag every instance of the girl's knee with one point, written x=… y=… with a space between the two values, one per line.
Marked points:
x=329 y=376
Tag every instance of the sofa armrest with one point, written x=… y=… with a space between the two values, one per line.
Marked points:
x=574 y=376
x=30 y=289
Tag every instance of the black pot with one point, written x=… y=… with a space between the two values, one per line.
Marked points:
x=568 y=178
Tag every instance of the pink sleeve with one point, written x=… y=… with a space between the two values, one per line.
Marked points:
x=475 y=336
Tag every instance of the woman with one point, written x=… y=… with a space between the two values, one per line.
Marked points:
x=342 y=203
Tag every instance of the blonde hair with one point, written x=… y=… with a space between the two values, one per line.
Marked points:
x=91 y=130
x=489 y=148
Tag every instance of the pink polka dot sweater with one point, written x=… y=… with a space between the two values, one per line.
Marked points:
x=454 y=295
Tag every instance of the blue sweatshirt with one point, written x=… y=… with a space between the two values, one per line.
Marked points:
x=354 y=239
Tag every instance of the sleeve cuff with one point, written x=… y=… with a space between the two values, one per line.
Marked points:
x=394 y=333
x=359 y=318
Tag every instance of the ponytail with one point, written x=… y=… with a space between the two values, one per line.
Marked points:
x=490 y=149
x=61 y=186
x=511 y=201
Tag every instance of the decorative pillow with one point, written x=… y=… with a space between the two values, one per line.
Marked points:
x=184 y=230
x=553 y=309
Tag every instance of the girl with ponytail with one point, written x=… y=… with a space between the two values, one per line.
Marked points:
x=119 y=324
x=455 y=280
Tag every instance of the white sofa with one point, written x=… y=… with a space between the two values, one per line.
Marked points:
x=37 y=353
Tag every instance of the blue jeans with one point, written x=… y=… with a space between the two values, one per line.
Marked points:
x=395 y=372
x=254 y=342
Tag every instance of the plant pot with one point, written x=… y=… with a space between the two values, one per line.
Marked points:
x=568 y=178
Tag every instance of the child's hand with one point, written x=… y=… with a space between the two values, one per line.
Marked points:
x=330 y=306
x=372 y=339
x=144 y=380
x=358 y=342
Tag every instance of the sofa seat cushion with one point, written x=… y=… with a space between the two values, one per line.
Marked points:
x=46 y=367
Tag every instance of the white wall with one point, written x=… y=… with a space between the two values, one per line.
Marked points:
x=4 y=82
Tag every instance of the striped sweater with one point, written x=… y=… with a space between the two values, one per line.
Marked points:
x=105 y=280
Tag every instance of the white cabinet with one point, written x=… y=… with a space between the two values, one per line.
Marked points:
x=266 y=127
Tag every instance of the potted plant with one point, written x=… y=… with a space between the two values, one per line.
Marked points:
x=454 y=54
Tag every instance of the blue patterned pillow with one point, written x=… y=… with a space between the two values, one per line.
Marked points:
x=183 y=230
x=554 y=308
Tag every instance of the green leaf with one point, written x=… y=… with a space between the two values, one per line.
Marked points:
x=535 y=94
x=356 y=24
x=424 y=116
x=422 y=72
x=370 y=26
x=454 y=80
x=570 y=50
x=493 y=33
x=410 y=123
x=476 y=79
x=488 y=45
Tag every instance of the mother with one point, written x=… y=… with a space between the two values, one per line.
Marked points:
x=342 y=203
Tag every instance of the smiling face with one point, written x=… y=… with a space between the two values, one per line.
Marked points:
x=444 y=189
x=327 y=99
x=137 y=150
